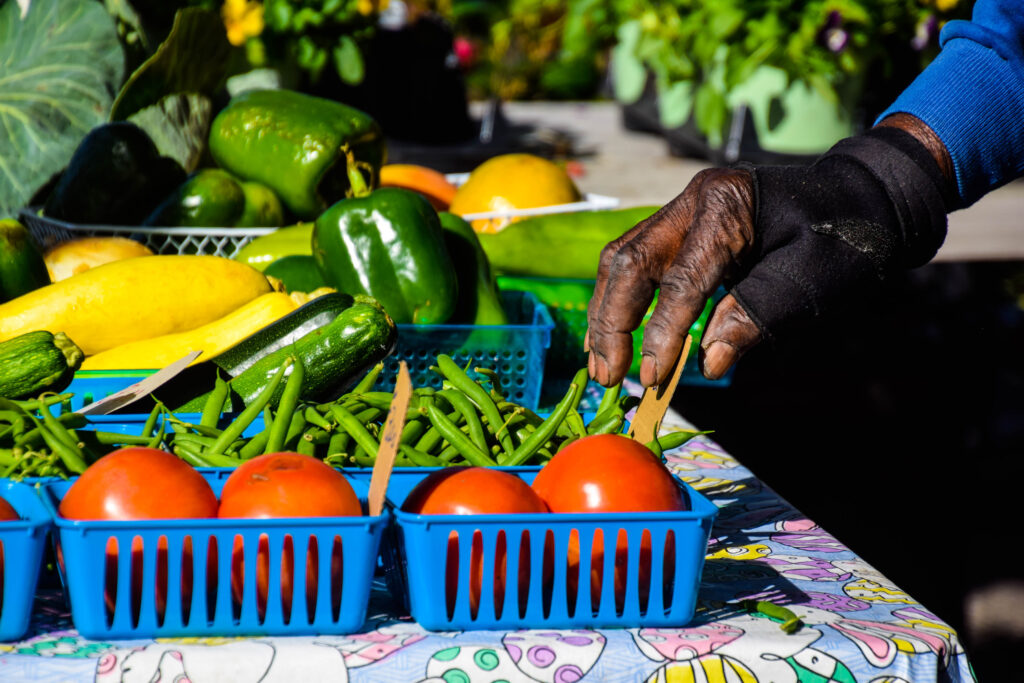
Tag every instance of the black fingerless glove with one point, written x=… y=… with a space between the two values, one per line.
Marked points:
x=872 y=206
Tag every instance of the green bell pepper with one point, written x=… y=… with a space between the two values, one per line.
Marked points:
x=292 y=143
x=479 y=302
x=388 y=244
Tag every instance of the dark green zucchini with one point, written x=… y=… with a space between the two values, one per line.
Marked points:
x=35 y=362
x=281 y=332
x=334 y=356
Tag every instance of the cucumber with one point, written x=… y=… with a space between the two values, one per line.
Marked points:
x=22 y=267
x=35 y=362
x=334 y=356
x=282 y=332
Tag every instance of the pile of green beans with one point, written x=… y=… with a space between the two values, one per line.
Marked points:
x=36 y=443
x=466 y=422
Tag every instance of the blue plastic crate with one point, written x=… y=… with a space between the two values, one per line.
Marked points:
x=21 y=552
x=418 y=554
x=517 y=351
x=207 y=606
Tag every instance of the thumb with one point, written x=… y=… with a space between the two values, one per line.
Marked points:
x=729 y=334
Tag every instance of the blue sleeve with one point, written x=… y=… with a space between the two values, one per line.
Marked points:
x=972 y=96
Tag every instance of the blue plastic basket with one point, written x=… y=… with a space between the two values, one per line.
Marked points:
x=418 y=556
x=516 y=351
x=339 y=604
x=21 y=552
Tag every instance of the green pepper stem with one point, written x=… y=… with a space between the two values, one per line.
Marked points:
x=357 y=184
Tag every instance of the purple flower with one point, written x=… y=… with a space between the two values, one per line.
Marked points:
x=926 y=30
x=832 y=34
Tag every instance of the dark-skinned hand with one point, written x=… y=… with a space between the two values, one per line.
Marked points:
x=791 y=244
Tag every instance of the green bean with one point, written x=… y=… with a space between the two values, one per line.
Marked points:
x=296 y=427
x=419 y=458
x=473 y=425
x=339 y=440
x=610 y=399
x=315 y=418
x=576 y=426
x=494 y=380
x=476 y=393
x=157 y=438
x=286 y=408
x=317 y=435
x=48 y=399
x=357 y=430
x=675 y=439
x=254 y=445
x=116 y=439
x=57 y=428
x=245 y=418
x=612 y=424
x=205 y=430
x=447 y=454
x=214 y=406
x=150 y=425
x=368 y=380
x=412 y=431
x=433 y=438
x=366 y=415
x=627 y=403
x=452 y=435
x=305 y=446
x=791 y=623
x=73 y=458
x=191 y=456
x=655 y=445
x=546 y=430
x=361 y=459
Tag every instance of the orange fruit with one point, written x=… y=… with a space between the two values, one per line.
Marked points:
x=430 y=183
x=509 y=182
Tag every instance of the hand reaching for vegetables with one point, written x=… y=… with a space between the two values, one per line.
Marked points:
x=791 y=243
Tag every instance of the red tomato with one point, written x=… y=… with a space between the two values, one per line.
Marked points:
x=7 y=512
x=140 y=483
x=476 y=491
x=284 y=485
x=608 y=473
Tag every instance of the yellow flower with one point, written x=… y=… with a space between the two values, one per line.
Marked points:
x=945 y=5
x=243 y=19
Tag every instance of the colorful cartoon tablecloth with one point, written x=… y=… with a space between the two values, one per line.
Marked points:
x=858 y=626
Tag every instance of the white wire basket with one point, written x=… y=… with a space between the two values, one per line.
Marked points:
x=228 y=241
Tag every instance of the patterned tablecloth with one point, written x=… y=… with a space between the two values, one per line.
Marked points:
x=858 y=626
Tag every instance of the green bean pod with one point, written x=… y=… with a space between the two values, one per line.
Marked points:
x=450 y=431
x=548 y=428
x=476 y=393
x=357 y=430
x=214 y=406
x=245 y=418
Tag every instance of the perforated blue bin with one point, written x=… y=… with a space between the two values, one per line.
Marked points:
x=21 y=551
x=517 y=351
x=419 y=553
x=338 y=605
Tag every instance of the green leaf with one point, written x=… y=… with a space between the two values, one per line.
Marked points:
x=59 y=65
x=348 y=61
x=628 y=75
x=193 y=59
x=179 y=125
x=675 y=103
x=710 y=111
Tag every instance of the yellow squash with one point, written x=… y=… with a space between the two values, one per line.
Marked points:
x=212 y=338
x=133 y=299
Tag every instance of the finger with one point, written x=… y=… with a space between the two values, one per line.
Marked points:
x=729 y=334
x=722 y=230
x=631 y=272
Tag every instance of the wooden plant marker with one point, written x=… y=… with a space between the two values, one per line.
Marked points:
x=389 y=441
x=655 y=401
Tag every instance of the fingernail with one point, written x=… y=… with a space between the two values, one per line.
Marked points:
x=591 y=365
x=717 y=358
x=600 y=370
x=586 y=342
x=648 y=371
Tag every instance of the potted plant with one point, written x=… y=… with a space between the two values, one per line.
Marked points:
x=795 y=76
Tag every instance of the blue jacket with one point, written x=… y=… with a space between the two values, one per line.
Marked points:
x=972 y=96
